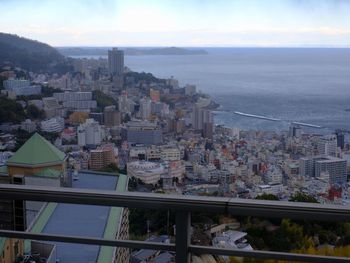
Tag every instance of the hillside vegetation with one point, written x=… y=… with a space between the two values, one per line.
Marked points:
x=31 y=55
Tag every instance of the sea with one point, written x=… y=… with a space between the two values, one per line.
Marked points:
x=308 y=85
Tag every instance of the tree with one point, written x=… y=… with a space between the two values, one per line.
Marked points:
x=11 y=111
x=111 y=168
x=1 y=82
x=267 y=197
x=34 y=113
x=126 y=118
x=301 y=197
x=103 y=99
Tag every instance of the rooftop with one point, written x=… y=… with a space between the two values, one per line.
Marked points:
x=83 y=220
x=36 y=151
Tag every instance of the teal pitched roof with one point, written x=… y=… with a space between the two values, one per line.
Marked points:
x=3 y=169
x=48 y=172
x=37 y=150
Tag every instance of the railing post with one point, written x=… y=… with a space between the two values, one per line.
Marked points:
x=183 y=236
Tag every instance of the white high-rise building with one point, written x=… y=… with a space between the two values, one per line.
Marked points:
x=316 y=166
x=125 y=105
x=89 y=133
x=145 y=108
x=200 y=117
x=327 y=145
x=115 y=61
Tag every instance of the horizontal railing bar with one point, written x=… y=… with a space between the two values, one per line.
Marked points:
x=235 y=206
x=266 y=254
x=171 y=247
x=134 y=244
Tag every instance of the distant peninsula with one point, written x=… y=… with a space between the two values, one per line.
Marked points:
x=100 y=51
x=164 y=51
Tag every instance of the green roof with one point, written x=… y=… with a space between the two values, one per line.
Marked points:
x=40 y=222
x=37 y=150
x=2 y=244
x=111 y=229
x=3 y=169
x=49 y=172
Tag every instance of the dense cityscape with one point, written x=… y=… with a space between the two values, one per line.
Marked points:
x=101 y=118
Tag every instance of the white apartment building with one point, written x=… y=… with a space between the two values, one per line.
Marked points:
x=55 y=124
x=89 y=133
x=73 y=96
x=21 y=87
x=145 y=108
x=327 y=145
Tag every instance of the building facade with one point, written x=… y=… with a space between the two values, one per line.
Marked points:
x=115 y=61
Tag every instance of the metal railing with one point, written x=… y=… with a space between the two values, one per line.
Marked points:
x=183 y=206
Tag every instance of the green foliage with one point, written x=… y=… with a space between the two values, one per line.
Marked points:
x=34 y=113
x=11 y=111
x=32 y=55
x=301 y=197
x=50 y=136
x=267 y=197
x=111 y=168
x=1 y=82
x=158 y=221
x=126 y=118
x=102 y=99
x=142 y=76
x=47 y=91
x=21 y=137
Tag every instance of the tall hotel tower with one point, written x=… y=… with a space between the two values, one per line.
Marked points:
x=115 y=62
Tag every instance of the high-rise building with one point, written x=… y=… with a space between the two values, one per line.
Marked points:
x=327 y=145
x=115 y=61
x=145 y=108
x=317 y=165
x=294 y=131
x=201 y=116
x=125 y=105
x=306 y=166
x=340 y=139
x=89 y=133
x=111 y=116
x=208 y=128
x=334 y=167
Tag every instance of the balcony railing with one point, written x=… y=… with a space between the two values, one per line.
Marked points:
x=183 y=206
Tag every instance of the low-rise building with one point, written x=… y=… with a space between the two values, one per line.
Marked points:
x=144 y=132
x=102 y=157
x=148 y=172
x=53 y=125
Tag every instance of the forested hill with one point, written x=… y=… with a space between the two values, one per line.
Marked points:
x=31 y=55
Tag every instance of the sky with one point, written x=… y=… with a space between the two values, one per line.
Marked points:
x=188 y=23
